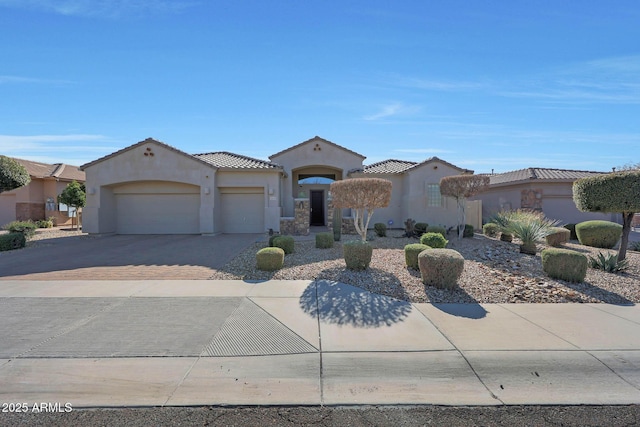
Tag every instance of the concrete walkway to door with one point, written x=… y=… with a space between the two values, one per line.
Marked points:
x=124 y=257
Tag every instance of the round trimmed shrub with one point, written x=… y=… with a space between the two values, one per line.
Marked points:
x=270 y=259
x=324 y=240
x=468 y=230
x=564 y=264
x=285 y=243
x=10 y=241
x=490 y=229
x=437 y=229
x=558 y=236
x=411 y=252
x=357 y=254
x=506 y=237
x=440 y=267
x=420 y=228
x=434 y=240
x=599 y=234
x=380 y=228
x=572 y=230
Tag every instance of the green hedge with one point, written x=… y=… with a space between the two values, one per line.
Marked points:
x=440 y=267
x=285 y=243
x=357 y=254
x=434 y=240
x=558 y=236
x=564 y=264
x=437 y=229
x=490 y=229
x=12 y=241
x=324 y=240
x=599 y=234
x=613 y=192
x=270 y=259
x=28 y=228
x=411 y=253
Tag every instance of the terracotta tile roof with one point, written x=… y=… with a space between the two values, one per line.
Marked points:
x=318 y=139
x=224 y=159
x=389 y=166
x=540 y=174
x=56 y=170
x=131 y=147
x=437 y=159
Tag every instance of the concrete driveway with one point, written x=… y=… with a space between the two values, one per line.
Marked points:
x=123 y=257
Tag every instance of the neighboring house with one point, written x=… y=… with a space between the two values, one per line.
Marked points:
x=38 y=199
x=547 y=190
x=153 y=188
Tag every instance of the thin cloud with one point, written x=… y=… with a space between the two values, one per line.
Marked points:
x=391 y=110
x=100 y=8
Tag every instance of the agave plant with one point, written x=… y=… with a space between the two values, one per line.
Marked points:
x=528 y=226
x=608 y=262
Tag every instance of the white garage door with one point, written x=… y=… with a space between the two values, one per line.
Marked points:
x=151 y=210
x=242 y=212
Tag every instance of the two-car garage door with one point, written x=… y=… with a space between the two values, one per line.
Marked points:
x=161 y=207
x=157 y=207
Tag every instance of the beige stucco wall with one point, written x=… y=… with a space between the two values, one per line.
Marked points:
x=313 y=153
x=557 y=201
x=415 y=195
x=133 y=165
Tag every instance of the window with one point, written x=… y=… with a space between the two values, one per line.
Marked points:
x=434 y=198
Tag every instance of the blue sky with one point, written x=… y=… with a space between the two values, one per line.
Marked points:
x=485 y=85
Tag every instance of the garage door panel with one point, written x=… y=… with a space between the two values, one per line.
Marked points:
x=158 y=213
x=242 y=213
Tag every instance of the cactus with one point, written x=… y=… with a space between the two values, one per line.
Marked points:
x=337 y=224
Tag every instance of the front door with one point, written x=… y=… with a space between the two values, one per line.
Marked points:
x=317 y=207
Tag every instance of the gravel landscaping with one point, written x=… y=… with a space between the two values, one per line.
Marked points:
x=494 y=272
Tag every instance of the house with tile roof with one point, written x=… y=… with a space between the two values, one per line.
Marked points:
x=153 y=188
x=547 y=190
x=38 y=199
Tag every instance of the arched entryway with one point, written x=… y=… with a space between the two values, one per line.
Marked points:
x=313 y=182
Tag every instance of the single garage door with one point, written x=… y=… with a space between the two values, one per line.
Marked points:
x=157 y=208
x=242 y=212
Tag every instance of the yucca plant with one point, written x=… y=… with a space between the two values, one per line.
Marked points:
x=608 y=262
x=635 y=246
x=528 y=226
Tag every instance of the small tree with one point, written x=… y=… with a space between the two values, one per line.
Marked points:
x=614 y=192
x=363 y=195
x=12 y=174
x=461 y=187
x=74 y=195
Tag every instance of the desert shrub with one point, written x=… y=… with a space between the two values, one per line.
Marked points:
x=409 y=228
x=506 y=237
x=420 y=228
x=468 y=230
x=437 y=229
x=357 y=254
x=272 y=238
x=411 y=252
x=28 y=228
x=285 y=243
x=336 y=222
x=599 y=234
x=440 y=267
x=635 y=246
x=44 y=223
x=490 y=229
x=572 y=230
x=270 y=259
x=558 y=236
x=608 y=262
x=380 y=228
x=529 y=226
x=12 y=241
x=324 y=240
x=435 y=240
x=564 y=264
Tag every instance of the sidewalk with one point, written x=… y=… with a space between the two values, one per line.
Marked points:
x=184 y=343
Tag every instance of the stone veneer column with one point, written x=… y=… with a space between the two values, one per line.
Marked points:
x=302 y=208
